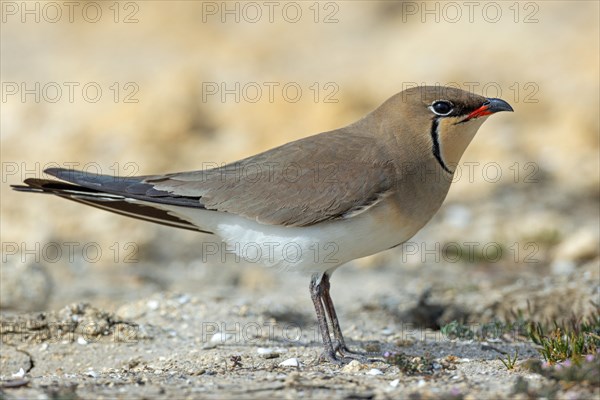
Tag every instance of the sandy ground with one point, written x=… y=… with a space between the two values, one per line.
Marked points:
x=96 y=305
x=227 y=339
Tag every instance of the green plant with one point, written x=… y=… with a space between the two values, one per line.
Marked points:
x=509 y=363
x=490 y=330
x=457 y=330
x=570 y=340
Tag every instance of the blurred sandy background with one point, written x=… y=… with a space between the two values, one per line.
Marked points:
x=543 y=56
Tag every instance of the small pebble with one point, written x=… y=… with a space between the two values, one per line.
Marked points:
x=374 y=371
x=220 y=337
x=19 y=374
x=290 y=362
x=267 y=353
x=352 y=367
x=387 y=332
x=395 y=383
x=91 y=374
x=81 y=340
x=152 y=304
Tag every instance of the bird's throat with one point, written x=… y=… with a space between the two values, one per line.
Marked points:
x=452 y=139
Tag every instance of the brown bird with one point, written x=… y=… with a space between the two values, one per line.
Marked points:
x=316 y=203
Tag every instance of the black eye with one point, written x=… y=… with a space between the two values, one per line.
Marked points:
x=441 y=107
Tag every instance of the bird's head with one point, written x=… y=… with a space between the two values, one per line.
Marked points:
x=446 y=118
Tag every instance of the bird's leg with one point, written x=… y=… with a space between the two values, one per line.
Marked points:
x=316 y=294
x=341 y=346
x=330 y=309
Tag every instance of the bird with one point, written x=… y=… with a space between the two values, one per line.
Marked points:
x=313 y=204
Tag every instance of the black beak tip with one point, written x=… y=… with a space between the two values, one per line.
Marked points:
x=497 y=105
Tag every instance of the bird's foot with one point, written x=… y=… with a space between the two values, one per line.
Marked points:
x=332 y=358
x=342 y=355
x=363 y=357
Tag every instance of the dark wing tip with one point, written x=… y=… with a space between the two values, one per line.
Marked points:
x=23 y=188
x=32 y=183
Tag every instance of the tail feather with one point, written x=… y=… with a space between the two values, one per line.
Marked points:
x=113 y=202
x=133 y=187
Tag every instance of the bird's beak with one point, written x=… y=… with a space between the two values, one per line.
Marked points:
x=491 y=106
x=496 y=105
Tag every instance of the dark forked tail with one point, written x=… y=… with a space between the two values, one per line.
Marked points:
x=126 y=196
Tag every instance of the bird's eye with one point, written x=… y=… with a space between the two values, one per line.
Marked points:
x=441 y=107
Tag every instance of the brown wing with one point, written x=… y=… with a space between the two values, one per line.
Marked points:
x=322 y=177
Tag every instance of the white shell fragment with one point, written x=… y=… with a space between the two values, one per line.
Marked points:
x=290 y=362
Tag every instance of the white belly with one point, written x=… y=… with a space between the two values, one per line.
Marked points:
x=310 y=249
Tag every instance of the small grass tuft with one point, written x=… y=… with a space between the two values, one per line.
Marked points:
x=457 y=330
x=481 y=332
x=510 y=362
x=571 y=340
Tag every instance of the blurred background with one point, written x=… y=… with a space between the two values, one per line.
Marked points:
x=149 y=87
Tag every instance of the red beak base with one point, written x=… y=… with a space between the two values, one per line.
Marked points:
x=480 y=112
